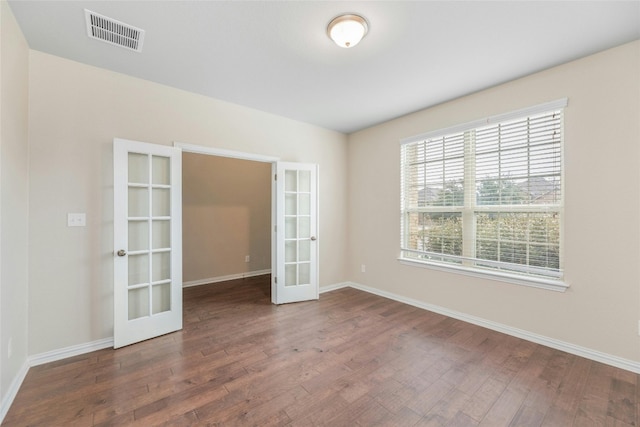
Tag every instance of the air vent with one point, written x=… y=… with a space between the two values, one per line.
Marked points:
x=113 y=32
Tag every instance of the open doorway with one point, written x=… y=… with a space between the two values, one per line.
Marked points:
x=294 y=224
x=226 y=218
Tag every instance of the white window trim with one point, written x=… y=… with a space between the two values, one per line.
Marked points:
x=530 y=281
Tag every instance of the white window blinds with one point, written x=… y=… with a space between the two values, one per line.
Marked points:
x=487 y=195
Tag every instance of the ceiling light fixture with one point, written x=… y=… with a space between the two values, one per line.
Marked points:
x=347 y=30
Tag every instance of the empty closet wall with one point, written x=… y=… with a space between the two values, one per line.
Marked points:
x=226 y=217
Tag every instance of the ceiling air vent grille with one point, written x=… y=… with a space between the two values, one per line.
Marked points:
x=113 y=32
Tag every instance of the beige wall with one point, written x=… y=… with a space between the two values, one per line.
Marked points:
x=601 y=309
x=226 y=215
x=75 y=111
x=14 y=188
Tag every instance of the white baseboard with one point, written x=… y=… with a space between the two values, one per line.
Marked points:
x=7 y=400
x=225 y=278
x=49 y=356
x=74 y=350
x=577 y=350
x=334 y=287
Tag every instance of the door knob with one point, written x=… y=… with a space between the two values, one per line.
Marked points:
x=121 y=252
x=313 y=238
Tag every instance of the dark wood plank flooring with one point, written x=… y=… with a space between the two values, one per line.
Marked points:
x=349 y=359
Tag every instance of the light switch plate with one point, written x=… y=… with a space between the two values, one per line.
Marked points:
x=76 y=220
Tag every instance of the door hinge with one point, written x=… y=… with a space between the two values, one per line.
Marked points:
x=275 y=279
x=275 y=228
x=275 y=177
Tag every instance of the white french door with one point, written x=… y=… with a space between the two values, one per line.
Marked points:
x=296 y=233
x=147 y=241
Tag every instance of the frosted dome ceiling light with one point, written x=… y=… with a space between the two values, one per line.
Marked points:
x=347 y=30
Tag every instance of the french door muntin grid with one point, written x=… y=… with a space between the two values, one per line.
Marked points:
x=297 y=216
x=149 y=230
x=436 y=163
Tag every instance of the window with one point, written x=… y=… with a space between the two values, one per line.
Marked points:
x=487 y=196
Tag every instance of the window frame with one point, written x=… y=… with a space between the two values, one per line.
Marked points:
x=470 y=208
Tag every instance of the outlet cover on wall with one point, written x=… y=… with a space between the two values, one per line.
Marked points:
x=76 y=220
x=247 y=258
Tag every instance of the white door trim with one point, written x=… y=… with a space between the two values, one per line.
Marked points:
x=210 y=151
x=199 y=149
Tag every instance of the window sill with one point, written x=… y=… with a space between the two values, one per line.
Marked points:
x=534 y=282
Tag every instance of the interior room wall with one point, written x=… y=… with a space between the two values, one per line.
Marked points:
x=14 y=208
x=75 y=111
x=226 y=215
x=601 y=309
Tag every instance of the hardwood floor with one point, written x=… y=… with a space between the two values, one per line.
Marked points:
x=349 y=359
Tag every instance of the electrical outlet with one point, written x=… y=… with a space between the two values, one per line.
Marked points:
x=247 y=258
x=76 y=220
x=10 y=348
x=363 y=268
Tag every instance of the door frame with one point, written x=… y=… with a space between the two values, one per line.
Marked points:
x=210 y=151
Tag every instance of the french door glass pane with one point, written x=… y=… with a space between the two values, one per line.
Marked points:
x=304 y=178
x=304 y=273
x=161 y=234
x=161 y=298
x=138 y=269
x=138 y=202
x=290 y=204
x=138 y=235
x=161 y=266
x=161 y=202
x=290 y=225
x=304 y=251
x=304 y=227
x=290 y=251
x=291 y=181
x=138 y=303
x=138 y=168
x=291 y=274
x=161 y=171
x=305 y=204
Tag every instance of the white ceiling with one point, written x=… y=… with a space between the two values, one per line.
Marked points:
x=275 y=56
